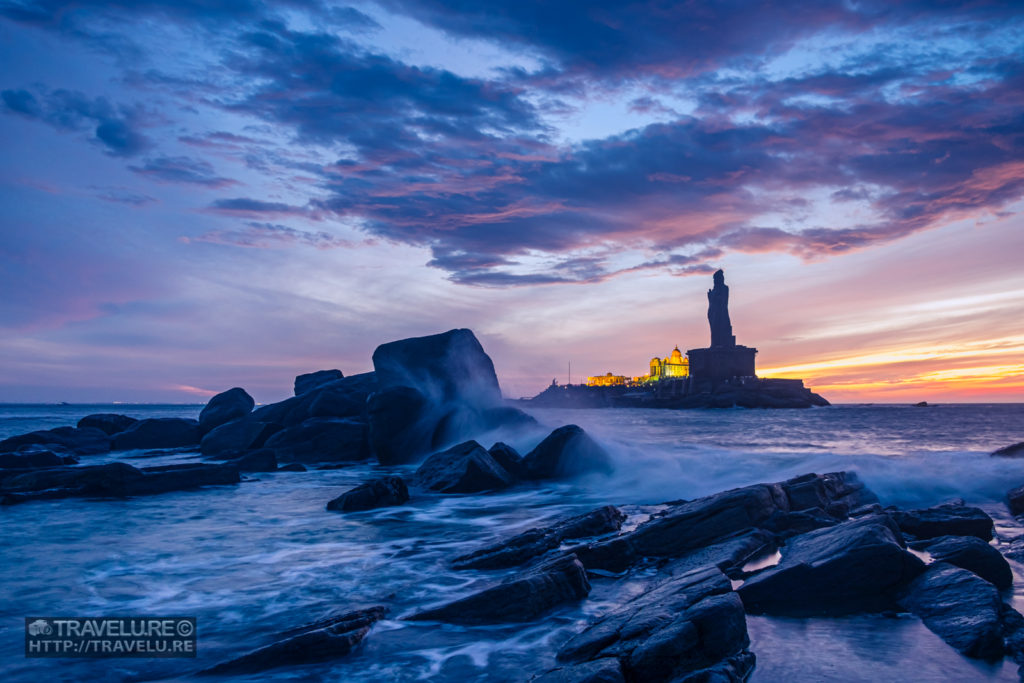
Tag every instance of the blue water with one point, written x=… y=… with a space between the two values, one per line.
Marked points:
x=263 y=556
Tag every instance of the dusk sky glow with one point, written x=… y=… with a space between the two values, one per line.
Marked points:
x=201 y=194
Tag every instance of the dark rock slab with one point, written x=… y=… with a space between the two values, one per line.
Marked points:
x=226 y=406
x=948 y=519
x=321 y=641
x=734 y=669
x=159 y=432
x=260 y=460
x=974 y=555
x=401 y=425
x=344 y=397
x=1015 y=500
x=566 y=452
x=322 y=439
x=687 y=624
x=314 y=380
x=613 y=555
x=855 y=566
x=959 y=607
x=108 y=423
x=116 y=479
x=465 y=468
x=1013 y=451
x=31 y=459
x=375 y=493
x=729 y=555
x=508 y=458
x=524 y=597
x=835 y=493
x=238 y=435
x=605 y=670
x=78 y=440
x=535 y=542
x=704 y=521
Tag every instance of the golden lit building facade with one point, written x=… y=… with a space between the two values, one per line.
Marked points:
x=674 y=367
x=607 y=380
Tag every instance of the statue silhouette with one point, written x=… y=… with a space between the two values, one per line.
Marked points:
x=718 y=313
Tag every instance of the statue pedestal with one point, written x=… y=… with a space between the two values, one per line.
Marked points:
x=719 y=363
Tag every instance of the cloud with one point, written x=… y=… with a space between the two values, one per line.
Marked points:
x=113 y=127
x=271 y=236
x=182 y=170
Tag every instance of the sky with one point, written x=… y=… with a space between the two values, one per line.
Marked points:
x=199 y=194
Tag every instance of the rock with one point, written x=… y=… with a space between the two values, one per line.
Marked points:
x=614 y=555
x=734 y=669
x=835 y=493
x=949 y=519
x=729 y=555
x=81 y=441
x=1013 y=451
x=31 y=459
x=448 y=367
x=599 y=671
x=508 y=458
x=115 y=479
x=687 y=624
x=959 y=607
x=434 y=391
x=262 y=460
x=317 y=642
x=158 y=432
x=465 y=468
x=292 y=467
x=383 y=492
x=320 y=439
x=704 y=521
x=224 y=407
x=238 y=435
x=108 y=423
x=566 y=452
x=344 y=397
x=974 y=555
x=315 y=380
x=855 y=566
x=524 y=597
x=1015 y=500
x=400 y=424
x=535 y=542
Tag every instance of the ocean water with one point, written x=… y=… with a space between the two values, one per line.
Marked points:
x=258 y=558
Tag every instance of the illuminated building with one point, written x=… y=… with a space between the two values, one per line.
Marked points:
x=608 y=380
x=675 y=366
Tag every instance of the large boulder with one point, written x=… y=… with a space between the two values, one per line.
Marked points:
x=435 y=390
x=376 y=493
x=115 y=479
x=108 y=423
x=566 y=452
x=159 y=432
x=224 y=407
x=523 y=597
x=948 y=519
x=315 y=380
x=260 y=460
x=974 y=555
x=1015 y=500
x=78 y=440
x=238 y=435
x=317 y=642
x=1013 y=451
x=855 y=566
x=344 y=397
x=31 y=459
x=535 y=542
x=465 y=468
x=605 y=670
x=321 y=439
x=959 y=607
x=691 y=623
x=508 y=458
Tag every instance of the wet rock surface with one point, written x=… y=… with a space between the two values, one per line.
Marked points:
x=78 y=440
x=382 y=492
x=566 y=452
x=465 y=468
x=321 y=439
x=523 y=597
x=317 y=642
x=224 y=407
x=314 y=380
x=158 y=432
x=344 y=397
x=948 y=519
x=535 y=542
x=238 y=435
x=108 y=423
x=974 y=555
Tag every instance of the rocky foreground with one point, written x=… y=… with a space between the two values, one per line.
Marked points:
x=815 y=545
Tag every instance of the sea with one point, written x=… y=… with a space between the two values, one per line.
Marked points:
x=251 y=560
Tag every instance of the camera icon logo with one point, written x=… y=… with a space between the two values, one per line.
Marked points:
x=40 y=627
